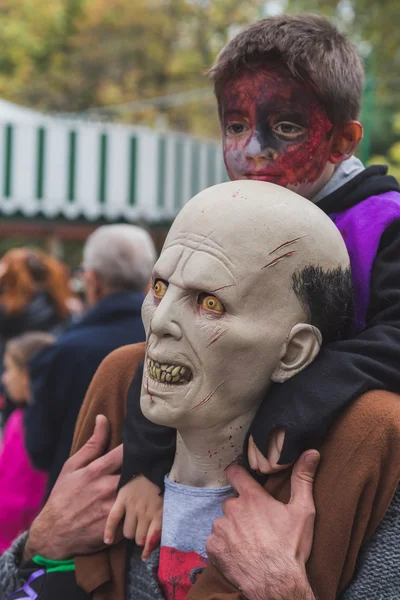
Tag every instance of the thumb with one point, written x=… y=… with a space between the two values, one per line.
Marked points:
x=94 y=447
x=302 y=479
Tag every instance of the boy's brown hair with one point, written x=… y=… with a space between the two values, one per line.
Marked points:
x=24 y=347
x=311 y=47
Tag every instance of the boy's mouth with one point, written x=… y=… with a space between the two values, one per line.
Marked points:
x=172 y=374
x=262 y=175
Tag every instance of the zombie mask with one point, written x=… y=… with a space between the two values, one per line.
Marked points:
x=275 y=129
x=222 y=314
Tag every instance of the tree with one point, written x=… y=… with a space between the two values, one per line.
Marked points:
x=76 y=54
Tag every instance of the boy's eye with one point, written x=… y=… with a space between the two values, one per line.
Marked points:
x=236 y=128
x=160 y=288
x=210 y=303
x=289 y=130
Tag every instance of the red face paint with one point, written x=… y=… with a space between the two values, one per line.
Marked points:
x=274 y=129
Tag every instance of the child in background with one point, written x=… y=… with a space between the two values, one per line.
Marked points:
x=22 y=487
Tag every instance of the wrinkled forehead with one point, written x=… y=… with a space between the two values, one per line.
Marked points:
x=226 y=247
x=252 y=227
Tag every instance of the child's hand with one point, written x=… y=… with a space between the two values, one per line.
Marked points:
x=269 y=463
x=139 y=501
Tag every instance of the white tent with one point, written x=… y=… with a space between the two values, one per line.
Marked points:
x=18 y=114
x=54 y=167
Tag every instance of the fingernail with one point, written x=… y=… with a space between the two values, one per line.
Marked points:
x=107 y=541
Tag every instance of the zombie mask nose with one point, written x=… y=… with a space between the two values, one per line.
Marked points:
x=165 y=321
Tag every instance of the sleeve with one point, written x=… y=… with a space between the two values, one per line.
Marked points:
x=10 y=562
x=307 y=405
x=377 y=571
x=149 y=449
x=107 y=395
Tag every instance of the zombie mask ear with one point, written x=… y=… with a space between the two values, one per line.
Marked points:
x=302 y=346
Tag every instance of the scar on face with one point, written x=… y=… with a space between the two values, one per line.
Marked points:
x=208 y=398
x=288 y=243
x=282 y=256
x=223 y=287
x=216 y=336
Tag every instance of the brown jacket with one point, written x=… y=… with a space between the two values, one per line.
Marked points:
x=357 y=477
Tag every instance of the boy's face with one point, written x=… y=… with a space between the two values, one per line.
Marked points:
x=275 y=129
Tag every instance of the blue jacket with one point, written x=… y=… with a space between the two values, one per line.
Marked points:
x=61 y=374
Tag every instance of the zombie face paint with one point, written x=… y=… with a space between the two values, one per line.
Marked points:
x=275 y=129
x=221 y=306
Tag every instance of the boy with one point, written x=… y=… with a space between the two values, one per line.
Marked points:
x=289 y=92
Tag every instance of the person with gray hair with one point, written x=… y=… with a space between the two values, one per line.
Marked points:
x=117 y=264
x=122 y=255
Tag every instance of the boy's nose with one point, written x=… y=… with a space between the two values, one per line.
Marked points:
x=259 y=151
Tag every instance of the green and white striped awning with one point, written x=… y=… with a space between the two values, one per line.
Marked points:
x=77 y=169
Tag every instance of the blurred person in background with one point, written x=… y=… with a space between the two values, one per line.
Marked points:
x=117 y=263
x=33 y=297
x=22 y=486
x=33 y=293
x=76 y=303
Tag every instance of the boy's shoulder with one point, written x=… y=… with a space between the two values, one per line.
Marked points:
x=369 y=188
x=370 y=217
x=386 y=201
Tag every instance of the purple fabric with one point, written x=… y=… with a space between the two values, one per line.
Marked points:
x=361 y=227
x=22 y=487
x=30 y=593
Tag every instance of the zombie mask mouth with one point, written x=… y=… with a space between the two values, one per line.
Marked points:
x=168 y=373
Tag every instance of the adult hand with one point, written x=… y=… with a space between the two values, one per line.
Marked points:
x=262 y=545
x=73 y=519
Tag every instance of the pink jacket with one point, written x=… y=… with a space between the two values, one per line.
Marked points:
x=22 y=487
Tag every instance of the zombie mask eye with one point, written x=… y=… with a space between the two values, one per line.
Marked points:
x=210 y=303
x=160 y=288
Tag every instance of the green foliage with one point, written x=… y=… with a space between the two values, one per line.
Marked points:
x=394 y=169
x=75 y=54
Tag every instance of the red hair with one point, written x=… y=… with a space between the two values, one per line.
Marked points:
x=28 y=271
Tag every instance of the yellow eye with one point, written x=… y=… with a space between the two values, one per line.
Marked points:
x=160 y=288
x=211 y=303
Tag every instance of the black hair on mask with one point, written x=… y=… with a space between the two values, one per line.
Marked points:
x=327 y=298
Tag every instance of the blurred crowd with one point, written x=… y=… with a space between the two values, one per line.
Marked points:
x=56 y=327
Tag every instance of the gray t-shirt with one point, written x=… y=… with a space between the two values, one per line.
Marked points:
x=188 y=517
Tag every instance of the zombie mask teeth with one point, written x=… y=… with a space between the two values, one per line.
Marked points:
x=167 y=373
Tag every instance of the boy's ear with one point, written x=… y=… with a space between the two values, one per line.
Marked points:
x=302 y=346
x=346 y=139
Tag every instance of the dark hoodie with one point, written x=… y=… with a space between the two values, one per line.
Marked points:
x=365 y=205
